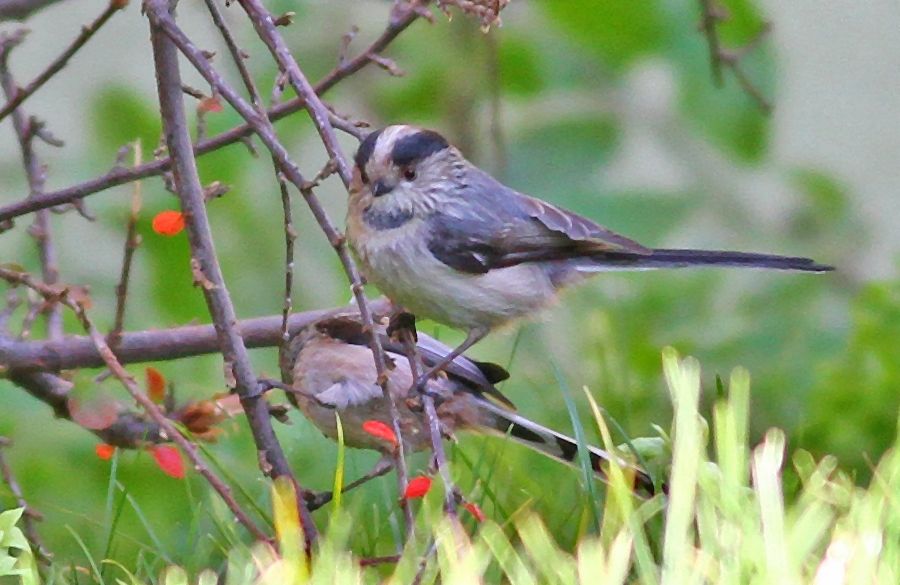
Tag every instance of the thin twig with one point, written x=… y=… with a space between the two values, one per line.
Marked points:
x=61 y=294
x=12 y=303
x=132 y=241
x=266 y=29
x=26 y=131
x=239 y=370
x=237 y=55
x=423 y=562
x=30 y=516
x=401 y=17
x=290 y=235
x=358 y=130
x=451 y=493
x=21 y=94
x=34 y=309
x=711 y=14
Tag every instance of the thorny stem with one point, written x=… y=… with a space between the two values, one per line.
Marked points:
x=26 y=131
x=109 y=358
x=239 y=371
x=399 y=20
x=19 y=95
x=29 y=516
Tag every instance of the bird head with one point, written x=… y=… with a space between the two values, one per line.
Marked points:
x=404 y=170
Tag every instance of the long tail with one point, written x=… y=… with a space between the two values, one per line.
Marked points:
x=557 y=445
x=665 y=258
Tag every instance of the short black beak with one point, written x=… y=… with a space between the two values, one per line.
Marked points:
x=381 y=188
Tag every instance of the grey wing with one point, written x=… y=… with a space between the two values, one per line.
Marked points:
x=490 y=226
x=348 y=393
x=476 y=377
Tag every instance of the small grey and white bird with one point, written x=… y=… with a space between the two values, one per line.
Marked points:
x=446 y=241
x=332 y=371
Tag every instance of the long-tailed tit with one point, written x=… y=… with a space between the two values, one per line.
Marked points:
x=446 y=241
x=332 y=371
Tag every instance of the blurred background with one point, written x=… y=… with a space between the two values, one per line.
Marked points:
x=606 y=108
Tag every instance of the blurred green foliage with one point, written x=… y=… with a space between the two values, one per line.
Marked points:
x=573 y=93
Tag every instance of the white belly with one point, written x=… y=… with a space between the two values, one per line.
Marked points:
x=400 y=265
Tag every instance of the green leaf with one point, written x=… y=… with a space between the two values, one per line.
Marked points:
x=519 y=71
x=9 y=519
x=619 y=31
x=119 y=115
x=6 y=564
x=175 y=575
x=14 y=538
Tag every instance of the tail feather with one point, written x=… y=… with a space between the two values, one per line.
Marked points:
x=557 y=445
x=669 y=258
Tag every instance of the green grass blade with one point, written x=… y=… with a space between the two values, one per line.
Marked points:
x=87 y=554
x=584 y=459
x=338 y=486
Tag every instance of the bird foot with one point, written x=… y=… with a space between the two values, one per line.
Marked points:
x=414 y=401
x=315 y=500
x=402 y=321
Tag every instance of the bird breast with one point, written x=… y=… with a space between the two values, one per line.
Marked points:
x=400 y=264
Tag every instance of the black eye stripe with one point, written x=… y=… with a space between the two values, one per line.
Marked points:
x=418 y=146
x=364 y=153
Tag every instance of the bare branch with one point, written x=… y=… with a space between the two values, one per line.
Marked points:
x=451 y=493
x=237 y=361
x=62 y=295
x=266 y=133
x=22 y=9
x=12 y=303
x=132 y=241
x=354 y=128
x=320 y=115
x=30 y=515
x=401 y=17
x=290 y=235
x=73 y=352
x=19 y=95
x=27 y=129
x=712 y=14
x=238 y=56
x=129 y=431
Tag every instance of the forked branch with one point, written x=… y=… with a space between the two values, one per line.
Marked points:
x=208 y=274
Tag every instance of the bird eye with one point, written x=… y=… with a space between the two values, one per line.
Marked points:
x=409 y=174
